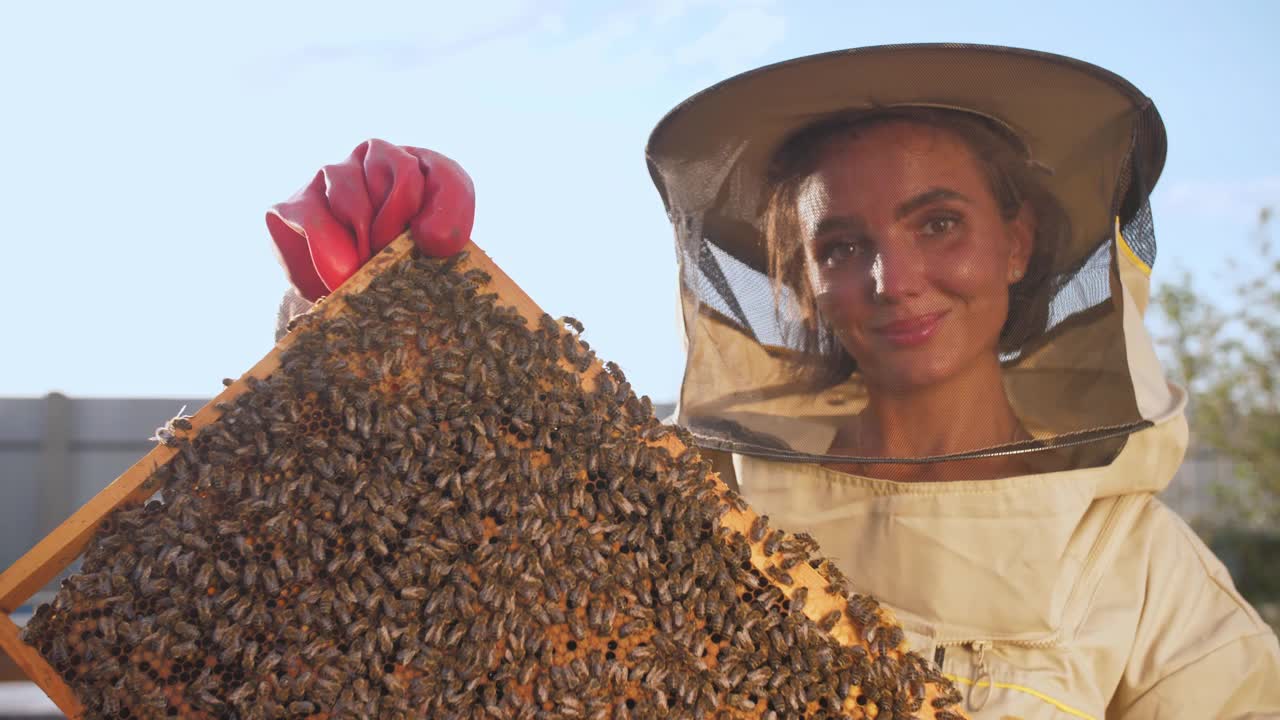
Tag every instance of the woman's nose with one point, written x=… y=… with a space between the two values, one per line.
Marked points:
x=897 y=271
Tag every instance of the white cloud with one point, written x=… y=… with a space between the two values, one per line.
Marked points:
x=414 y=41
x=668 y=10
x=553 y=24
x=727 y=34
x=741 y=35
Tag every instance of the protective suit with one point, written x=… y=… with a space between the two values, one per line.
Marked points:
x=1056 y=584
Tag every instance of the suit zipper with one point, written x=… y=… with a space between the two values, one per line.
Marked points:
x=989 y=642
x=980 y=673
x=979 y=693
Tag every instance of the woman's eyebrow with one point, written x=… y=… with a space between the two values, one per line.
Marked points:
x=931 y=195
x=853 y=223
x=839 y=224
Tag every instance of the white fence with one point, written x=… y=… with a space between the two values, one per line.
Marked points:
x=57 y=452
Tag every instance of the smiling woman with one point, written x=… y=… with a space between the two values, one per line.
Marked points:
x=996 y=173
x=920 y=241
x=913 y=281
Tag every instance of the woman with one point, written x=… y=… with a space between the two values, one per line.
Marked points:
x=906 y=231
x=913 y=280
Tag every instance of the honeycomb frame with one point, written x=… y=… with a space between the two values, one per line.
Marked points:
x=136 y=485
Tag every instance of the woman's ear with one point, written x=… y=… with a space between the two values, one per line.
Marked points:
x=1022 y=237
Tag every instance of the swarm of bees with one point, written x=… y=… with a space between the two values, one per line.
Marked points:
x=425 y=512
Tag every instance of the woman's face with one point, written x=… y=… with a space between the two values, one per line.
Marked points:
x=908 y=254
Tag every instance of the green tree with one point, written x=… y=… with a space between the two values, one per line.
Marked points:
x=1226 y=352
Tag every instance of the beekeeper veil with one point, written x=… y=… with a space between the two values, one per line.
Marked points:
x=777 y=360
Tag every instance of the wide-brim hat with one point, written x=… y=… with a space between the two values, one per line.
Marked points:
x=1098 y=139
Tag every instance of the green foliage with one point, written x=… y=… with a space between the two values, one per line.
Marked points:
x=1226 y=353
x=1251 y=555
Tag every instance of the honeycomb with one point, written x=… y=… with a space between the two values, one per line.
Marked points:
x=435 y=507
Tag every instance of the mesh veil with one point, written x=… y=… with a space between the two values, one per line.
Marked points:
x=774 y=327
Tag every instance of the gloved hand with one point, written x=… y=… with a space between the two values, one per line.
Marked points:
x=353 y=209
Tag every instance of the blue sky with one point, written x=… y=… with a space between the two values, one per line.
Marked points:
x=144 y=142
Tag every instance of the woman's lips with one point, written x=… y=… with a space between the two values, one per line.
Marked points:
x=911 y=331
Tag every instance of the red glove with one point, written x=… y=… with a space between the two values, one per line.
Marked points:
x=351 y=210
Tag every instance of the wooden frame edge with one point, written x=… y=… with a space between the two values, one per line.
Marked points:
x=53 y=553
x=37 y=668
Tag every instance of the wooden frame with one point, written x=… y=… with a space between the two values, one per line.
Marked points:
x=60 y=548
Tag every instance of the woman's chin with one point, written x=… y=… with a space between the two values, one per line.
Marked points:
x=912 y=372
x=907 y=381
x=944 y=356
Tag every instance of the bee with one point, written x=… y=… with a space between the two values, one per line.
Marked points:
x=192 y=540
x=268 y=663
x=780 y=575
x=270 y=582
x=771 y=543
x=225 y=571
x=413 y=593
x=798 y=598
x=183 y=649
x=828 y=621
x=862 y=610
x=203 y=575
x=889 y=638
x=631 y=627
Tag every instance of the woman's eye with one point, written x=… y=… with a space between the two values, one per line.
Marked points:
x=837 y=252
x=940 y=225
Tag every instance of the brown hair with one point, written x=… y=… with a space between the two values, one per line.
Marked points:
x=1013 y=180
